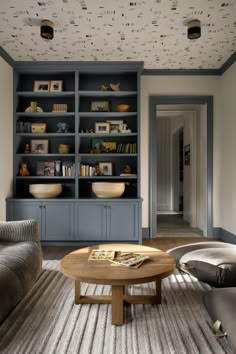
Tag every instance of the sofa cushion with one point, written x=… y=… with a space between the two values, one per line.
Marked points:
x=214 y=266
x=20 y=266
x=220 y=304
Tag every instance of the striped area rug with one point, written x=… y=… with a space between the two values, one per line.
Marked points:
x=47 y=321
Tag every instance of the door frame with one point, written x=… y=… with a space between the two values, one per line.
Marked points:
x=181 y=100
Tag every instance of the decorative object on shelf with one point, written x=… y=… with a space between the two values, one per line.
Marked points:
x=108 y=146
x=27 y=149
x=49 y=190
x=115 y=87
x=23 y=171
x=63 y=127
x=96 y=171
x=108 y=189
x=33 y=105
x=100 y=106
x=63 y=148
x=102 y=127
x=39 y=146
x=104 y=88
x=38 y=128
x=123 y=108
x=115 y=125
x=41 y=86
x=56 y=85
x=127 y=169
x=124 y=129
x=59 y=107
x=29 y=110
x=105 y=168
x=45 y=168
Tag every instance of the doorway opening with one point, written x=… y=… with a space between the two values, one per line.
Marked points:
x=181 y=166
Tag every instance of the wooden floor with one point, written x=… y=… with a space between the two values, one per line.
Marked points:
x=173 y=225
x=163 y=243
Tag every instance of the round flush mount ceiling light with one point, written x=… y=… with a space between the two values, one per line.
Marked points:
x=46 y=29
x=194 y=29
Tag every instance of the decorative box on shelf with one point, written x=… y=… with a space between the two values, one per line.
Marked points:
x=38 y=127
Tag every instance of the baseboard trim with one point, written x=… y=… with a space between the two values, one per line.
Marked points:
x=145 y=232
x=225 y=235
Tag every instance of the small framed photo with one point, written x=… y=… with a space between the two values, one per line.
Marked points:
x=41 y=86
x=99 y=106
x=102 y=127
x=105 y=168
x=56 y=86
x=115 y=125
x=39 y=146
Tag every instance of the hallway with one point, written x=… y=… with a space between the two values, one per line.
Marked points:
x=173 y=225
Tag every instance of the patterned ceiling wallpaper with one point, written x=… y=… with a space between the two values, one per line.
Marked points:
x=153 y=31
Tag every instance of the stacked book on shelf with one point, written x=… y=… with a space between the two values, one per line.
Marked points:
x=127 y=148
x=124 y=259
x=86 y=170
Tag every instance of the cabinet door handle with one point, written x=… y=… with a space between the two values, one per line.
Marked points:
x=44 y=206
x=40 y=206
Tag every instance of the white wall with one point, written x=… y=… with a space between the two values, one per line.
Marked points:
x=6 y=136
x=178 y=85
x=226 y=170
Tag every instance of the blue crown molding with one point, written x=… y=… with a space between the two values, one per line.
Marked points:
x=178 y=72
x=7 y=57
x=82 y=66
x=228 y=63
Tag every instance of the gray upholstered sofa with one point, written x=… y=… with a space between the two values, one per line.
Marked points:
x=20 y=261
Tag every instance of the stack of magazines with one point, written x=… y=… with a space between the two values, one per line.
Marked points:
x=126 y=259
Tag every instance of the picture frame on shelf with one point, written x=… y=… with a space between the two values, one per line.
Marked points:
x=45 y=168
x=56 y=85
x=39 y=146
x=115 y=125
x=105 y=168
x=102 y=127
x=41 y=86
x=99 y=106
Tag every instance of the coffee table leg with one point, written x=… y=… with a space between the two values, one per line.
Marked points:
x=77 y=292
x=158 y=291
x=117 y=304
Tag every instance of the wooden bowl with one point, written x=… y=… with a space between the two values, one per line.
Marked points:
x=108 y=189
x=50 y=190
x=123 y=108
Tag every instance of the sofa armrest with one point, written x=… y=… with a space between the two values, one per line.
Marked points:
x=19 y=231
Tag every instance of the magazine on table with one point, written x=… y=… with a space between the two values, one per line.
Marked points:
x=101 y=255
x=133 y=260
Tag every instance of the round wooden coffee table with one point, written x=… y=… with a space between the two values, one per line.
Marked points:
x=76 y=266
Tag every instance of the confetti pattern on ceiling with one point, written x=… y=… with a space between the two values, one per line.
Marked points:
x=153 y=31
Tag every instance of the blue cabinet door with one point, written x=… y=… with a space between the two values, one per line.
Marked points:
x=122 y=221
x=24 y=210
x=91 y=221
x=58 y=221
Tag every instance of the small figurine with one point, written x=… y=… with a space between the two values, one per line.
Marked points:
x=23 y=169
x=104 y=88
x=96 y=170
x=27 y=149
x=63 y=127
x=115 y=87
x=127 y=169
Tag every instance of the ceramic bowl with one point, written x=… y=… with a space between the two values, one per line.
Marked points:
x=64 y=148
x=123 y=108
x=108 y=189
x=51 y=190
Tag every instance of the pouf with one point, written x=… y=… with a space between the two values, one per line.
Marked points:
x=220 y=304
x=211 y=262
